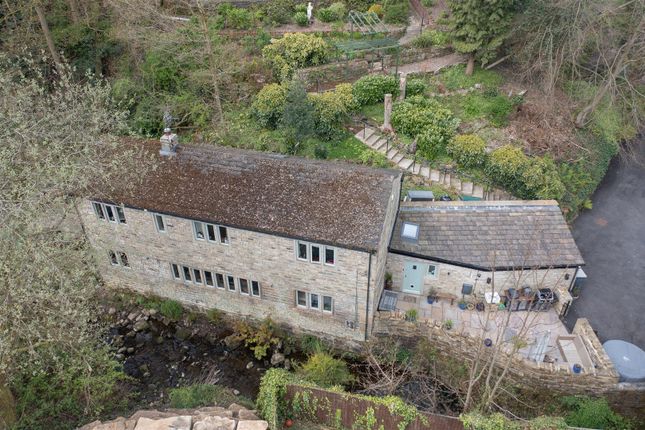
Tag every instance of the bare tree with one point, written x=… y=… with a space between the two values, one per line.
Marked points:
x=48 y=35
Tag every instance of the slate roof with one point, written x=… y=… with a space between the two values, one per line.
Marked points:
x=320 y=201
x=488 y=235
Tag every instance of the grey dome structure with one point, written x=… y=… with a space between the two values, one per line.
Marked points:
x=628 y=359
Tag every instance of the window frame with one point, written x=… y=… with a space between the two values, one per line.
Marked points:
x=207 y=274
x=435 y=273
x=120 y=215
x=184 y=270
x=217 y=283
x=203 y=238
x=176 y=273
x=320 y=253
x=159 y=217
x=124 y=262
x=228 y=283
x=332 y=249
x=110 y=209
x=248 y=286
x=225 y=239
x=198 y=278
x=214 y=229
x=331 y=304
x=98 y=211
x=306 y=245
x=114 y=259
x=259 y=289
x=306 y=296
x=310 y=301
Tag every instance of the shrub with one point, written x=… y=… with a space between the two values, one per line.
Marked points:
x=197 y=395
x=278 y=11
x=299 y=118
x=431 y=38
x=332 y=108
x=592 y=413
x=376 y=9
x=321 y=152
x=326 y=371
x=230 y=16
x=467 y=150
x=268 y=106
x=426 y=120
x=301 y=19
x=373 y=158
x=310 y=344
x=371 y=89
x=335 y=12
x=171 y=309
x=326 y=15
x=415 y=87
x=293 y=51
x=214 y=315
x=396 y=13
x=411 y=315
x=259 y=339
x=271 y=404
x=506 y=165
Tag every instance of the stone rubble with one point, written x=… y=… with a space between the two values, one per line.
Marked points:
x=235 y=417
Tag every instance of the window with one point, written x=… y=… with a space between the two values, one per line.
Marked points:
x=255 y=288
x=123 y=257
x=432 y=270
x=315 y=254
x=208 y=278
x=219 y=278
x=230 y=282
x=98 y=210
x=244 y=286
x=301 y=299
x=160 y=223
x=302 y=251
x=186 y=271
x=313 y=301
x=410 y=231
x=223 y=235
x=197 y=276
x=113 y=259
x=121 y=215
x=198 y=227
x=330 y=256
x=327 y=304
x=210 y=230
x=109 y=210
x=175 y=271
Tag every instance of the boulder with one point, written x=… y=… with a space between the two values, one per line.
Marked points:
x=277 y=358
x=141 y=325
x=246 y=415
x=132 y=316
x=232 y=342
x=249 y=365
x=214 y=423
x=183 y=422
x=252 y=425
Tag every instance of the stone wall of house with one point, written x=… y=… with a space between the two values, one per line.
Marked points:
x=603 y=377
x=377 y=282
x=449 y=278
x=270 y=260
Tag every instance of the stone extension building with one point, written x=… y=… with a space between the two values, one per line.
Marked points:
x=308 y=242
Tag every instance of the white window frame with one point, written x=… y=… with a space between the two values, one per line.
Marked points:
x=120 y=211
x=212 y=284
x=120 y=255
x=306 y=244
x=113 y=208
x=310 y=303
x=436 y=271
x=306 y=305
x=217 y=233
x=99 y=207
x=321 y=252
x=203 y=238
x=228 y=284
x=227 y=238
x=155 y=218
x=248 y=286
x=183 y=274
x=214 y=227
x=331 y=311
x=113 y=261
x=330 y=248
x=175 y=275
x=195 y=274
x=259 y=294
x=223 y=287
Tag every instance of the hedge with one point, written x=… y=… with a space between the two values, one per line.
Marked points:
x=293 y=51
x=268 y=106
x=371 y=89
x=468 y=150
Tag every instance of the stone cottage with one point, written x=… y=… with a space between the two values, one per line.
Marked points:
x=306 y=242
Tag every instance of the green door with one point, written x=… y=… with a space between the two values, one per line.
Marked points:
x=413 y=278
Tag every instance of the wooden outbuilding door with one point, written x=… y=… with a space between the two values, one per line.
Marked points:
x=413 y=278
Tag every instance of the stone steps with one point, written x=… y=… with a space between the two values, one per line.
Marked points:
x=372 y=138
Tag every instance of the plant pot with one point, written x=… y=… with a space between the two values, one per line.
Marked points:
x=288 y=422
x=462 y=306
x=430 y=300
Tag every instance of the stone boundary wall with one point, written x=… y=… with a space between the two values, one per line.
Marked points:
x=603 y=378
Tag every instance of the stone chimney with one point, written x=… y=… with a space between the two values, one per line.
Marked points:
x=169 y=141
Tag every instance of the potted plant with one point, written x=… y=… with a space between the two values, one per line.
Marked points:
x=447 y=324
x=462 y=305
x=388 y=280
x=432 y=296
x=411 y=315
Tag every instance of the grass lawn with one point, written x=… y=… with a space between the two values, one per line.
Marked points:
x=348 y=149
x=374 y=112
x=304 y=425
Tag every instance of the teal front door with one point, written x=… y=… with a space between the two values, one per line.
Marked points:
x=413 y=278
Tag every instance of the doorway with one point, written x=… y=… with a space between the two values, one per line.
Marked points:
x=413 y=278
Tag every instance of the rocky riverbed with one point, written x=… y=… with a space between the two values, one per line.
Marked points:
x=159 y=353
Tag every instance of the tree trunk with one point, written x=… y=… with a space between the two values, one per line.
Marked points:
x=73 y=7
x=217 y=104
x=470 y=67
x=7 y=406
x=47 y=33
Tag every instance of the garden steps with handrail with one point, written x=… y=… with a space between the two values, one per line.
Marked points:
x=372 y=137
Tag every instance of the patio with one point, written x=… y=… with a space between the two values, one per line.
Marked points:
x=543 y=335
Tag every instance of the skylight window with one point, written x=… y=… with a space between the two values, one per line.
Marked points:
x=410 y=231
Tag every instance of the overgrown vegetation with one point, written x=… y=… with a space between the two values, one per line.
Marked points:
x=322 y=369
x=197 y=395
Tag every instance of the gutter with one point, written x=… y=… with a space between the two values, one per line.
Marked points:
x=482 y=268
x=367 y=303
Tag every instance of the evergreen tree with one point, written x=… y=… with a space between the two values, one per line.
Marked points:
x=299 y=115
x=479 y=27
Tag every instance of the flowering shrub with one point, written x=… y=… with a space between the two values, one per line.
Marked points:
x=371 y=89
x=332 y=108
x=293 y=51
x=268 y=106
x=467 y=150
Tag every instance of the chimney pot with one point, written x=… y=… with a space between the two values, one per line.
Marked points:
x=169 y=141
